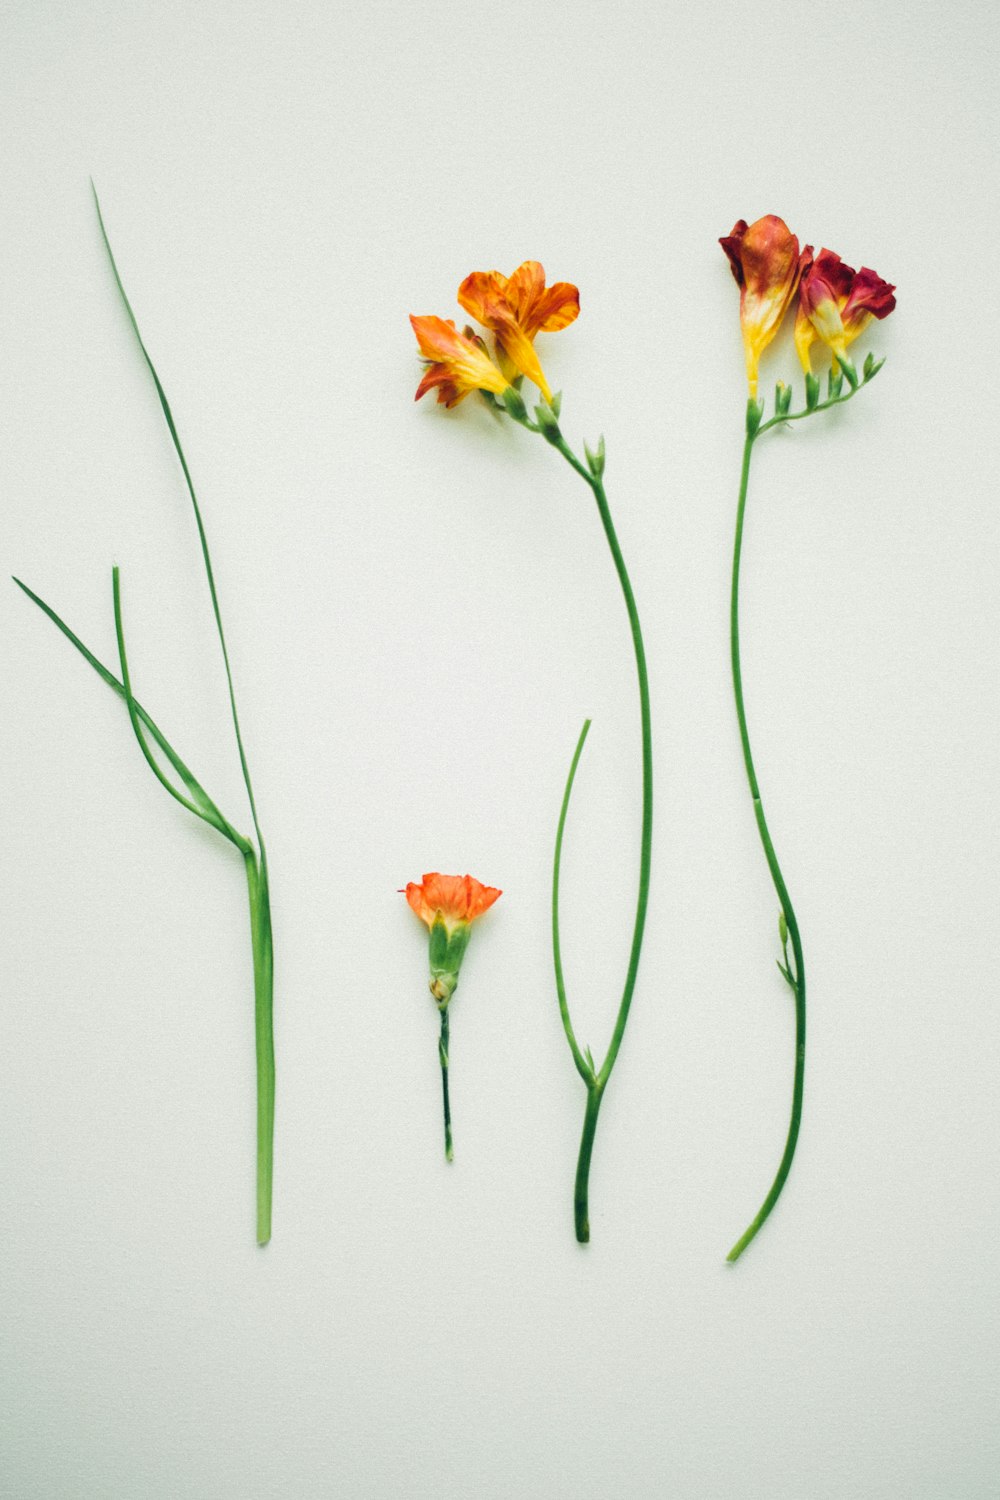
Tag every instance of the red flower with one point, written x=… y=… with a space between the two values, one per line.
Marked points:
x=836 y=304
x=767 y=265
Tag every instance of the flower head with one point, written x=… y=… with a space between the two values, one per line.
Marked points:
x=449 y=904
x=516 y=308
x=451 y=898
x=457 y=362
x=767 y=264
x=836 y=303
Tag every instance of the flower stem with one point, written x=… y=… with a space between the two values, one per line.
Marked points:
x=256 y=860
x=581 y=1188
x=263 y=984
x=597 y=1079
x=443 y=1044
x=796 y=981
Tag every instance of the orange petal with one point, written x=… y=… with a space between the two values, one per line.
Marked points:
x=558 y=307
x=480 y=293
x=440 y=375
x=438 y=338
x=459 y=364
x=521 y=353
x=523 y=291
x=457 y=898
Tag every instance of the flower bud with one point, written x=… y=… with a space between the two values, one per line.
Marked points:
x=548 y=424
x=848 y=369
x=595 y=460
x=514 y=403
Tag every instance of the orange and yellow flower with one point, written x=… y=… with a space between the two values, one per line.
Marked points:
x=516 y=308
x=452 y=898
x=449 y=904
x=836 y=304
x=767 y=264
x=457 y=363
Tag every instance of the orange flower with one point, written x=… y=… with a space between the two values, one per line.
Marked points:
x=455 y=899
x=517 y=307
x=836 y=304
x=457 y=362
x=449 y=904
x=767 y=265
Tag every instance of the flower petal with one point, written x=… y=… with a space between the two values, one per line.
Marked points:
x=558 y=307
x=519 y=349
x=459 y=364
x=480 y=292
x=455 y=898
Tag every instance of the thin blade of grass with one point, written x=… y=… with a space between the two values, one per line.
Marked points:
x=175 y=439
x=210 y=812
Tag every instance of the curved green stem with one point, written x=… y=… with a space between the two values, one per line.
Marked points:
x=443 y=1046
x=798 y=980
x=597 y=1079
x=584 y=1069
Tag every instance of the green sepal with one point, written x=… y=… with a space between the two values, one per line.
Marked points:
x=755 y=414
x=872 y=367
x=782 y=399
x=556 y=403
x=834 y=383
x=848 y=369
x=548 y=424
x=812 y=392
x=514 y=404
x=595 y=458
x=447 y=949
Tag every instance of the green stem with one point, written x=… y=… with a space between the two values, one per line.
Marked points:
x=443 y=1045
x=583 y=1066
x=256 y=863
x=798 y=980
x=263 y=985
x=581 y=1188
x=597 y=1079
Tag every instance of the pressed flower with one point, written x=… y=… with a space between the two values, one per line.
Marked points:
x=516 y=308
x=455 y=900
x=767 y=264
x=457 y=362
x=448 y=905
x=836 y=304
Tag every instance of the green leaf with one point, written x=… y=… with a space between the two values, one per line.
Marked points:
x=206 y=809
x=175 y=439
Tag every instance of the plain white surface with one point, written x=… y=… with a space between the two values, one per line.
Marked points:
x=421 y=611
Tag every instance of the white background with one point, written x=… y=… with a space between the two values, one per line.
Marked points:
x=421 y=610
